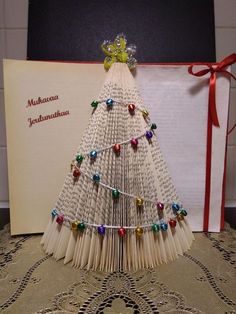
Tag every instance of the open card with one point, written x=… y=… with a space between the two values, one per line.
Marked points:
x=48 y=109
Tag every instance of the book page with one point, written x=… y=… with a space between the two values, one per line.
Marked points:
x=181 y=115
x=178 y=103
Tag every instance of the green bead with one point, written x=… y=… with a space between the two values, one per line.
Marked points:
x=183 y=212
x=81 y=226
x=155 y=227
x=153 y=126
x=79 y=158
x=115 y=193
x=94 y=104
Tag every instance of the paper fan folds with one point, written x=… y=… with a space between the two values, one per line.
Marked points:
x=133 y=172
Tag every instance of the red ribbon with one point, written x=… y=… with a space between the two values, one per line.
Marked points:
x=213 y=69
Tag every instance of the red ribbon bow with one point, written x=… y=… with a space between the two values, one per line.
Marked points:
x=220 y=67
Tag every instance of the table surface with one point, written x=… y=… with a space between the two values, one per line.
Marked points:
x=201 y=281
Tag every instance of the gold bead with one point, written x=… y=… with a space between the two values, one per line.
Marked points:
x=145 y=113
x=139 y=231
x=74 y=225
x=139 y=201
x=180 y=217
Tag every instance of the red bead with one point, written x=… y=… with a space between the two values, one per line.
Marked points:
x=60 y=219
x=76 y=173
x=160 y=206
x=134 y=142
x=172 y=223
x=116 y=148
x=122 y=232
x=131 y=108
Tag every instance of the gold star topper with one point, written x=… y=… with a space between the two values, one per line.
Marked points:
x=119 y=51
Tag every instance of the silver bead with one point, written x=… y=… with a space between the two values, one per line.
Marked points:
x=131 y=49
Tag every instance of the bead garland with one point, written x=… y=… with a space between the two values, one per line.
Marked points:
x=139 y=230
x=96 y=178
x=160 y=224
x=117 y=146
x=110 y=102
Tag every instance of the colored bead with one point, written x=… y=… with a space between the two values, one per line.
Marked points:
x=155 y=227
x=175 y=207
x=139 y=231
x=60 y=219
x=76 y=173
x=79 y=158
x=115 y=193
x=96 y=177
x=149 y=134
x=74 y=225
x=116 y=148
x=153 y=126
x=94 y=104
x=183 y=212
x=179 y=217
x=131 y=109
x=145 y=113
x=134 y=142
x=93 y=154
x=81 y=226
x=139 y=201
x=121 y=232
x=164 y=226
x=160 y=206
x=109 y=102
x=172 y=223
x=54 y=212
x=101 y=230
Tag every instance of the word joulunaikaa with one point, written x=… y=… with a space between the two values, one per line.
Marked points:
x=42 y=118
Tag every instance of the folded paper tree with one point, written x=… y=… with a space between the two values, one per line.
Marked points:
x=47 y=112
x=118 y=208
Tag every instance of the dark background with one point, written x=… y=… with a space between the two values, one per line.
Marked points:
x=163 y=30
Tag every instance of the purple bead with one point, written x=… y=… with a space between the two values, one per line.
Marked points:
x=101 y=230
x=149 y=135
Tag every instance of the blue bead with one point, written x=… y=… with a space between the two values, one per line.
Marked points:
x=149 y=135
x=54 y=212
x=109 y=102
x=101 y=230
x=175 y=207
x=93 y=154
x=164 y=226
x=96 y=177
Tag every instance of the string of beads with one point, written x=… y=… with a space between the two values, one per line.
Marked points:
x=159 y=224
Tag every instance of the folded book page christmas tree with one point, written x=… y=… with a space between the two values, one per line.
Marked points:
x=118 y=208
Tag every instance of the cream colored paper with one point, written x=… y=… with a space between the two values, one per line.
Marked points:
x=39 y=156
x=178 y=102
